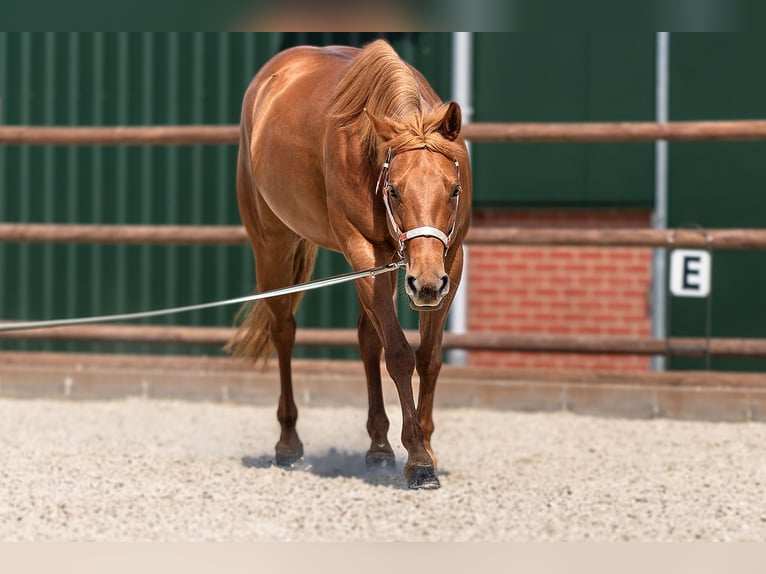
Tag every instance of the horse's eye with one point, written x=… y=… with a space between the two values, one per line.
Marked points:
x=393 y=192
x=456 y=191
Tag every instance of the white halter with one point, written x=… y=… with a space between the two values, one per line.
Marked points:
x=423 y=231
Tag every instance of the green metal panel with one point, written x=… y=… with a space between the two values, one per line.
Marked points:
x=563 y=78
x=145 y=79
x=121 y=79
x=720 y=184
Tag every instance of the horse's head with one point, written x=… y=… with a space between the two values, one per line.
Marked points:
x=420 y=184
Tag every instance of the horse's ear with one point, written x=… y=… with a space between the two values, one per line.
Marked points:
x=384 y=127
x=451 y=122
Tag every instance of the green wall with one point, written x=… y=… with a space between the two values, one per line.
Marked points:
x=720 y=184
x=564 y=78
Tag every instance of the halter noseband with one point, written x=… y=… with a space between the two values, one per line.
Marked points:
x=423 y=231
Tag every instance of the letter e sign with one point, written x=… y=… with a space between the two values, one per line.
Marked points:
x=690 y=273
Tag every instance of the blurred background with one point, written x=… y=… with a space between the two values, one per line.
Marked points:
x=182 y=78
x=426 y=15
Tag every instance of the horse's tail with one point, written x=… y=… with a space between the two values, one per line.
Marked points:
x=252 y=339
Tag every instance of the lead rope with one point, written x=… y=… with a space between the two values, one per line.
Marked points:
x=316 y=284
x=310 y=285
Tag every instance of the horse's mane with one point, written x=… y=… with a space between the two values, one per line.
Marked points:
x=378 y=81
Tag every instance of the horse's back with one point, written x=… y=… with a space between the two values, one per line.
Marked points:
x=284 y=123
x=294 y=86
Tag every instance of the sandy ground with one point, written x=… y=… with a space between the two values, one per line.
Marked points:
x=152 y=470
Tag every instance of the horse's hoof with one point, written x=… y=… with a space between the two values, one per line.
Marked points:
x=422 y=477
x=380 y=460
x=288 y=457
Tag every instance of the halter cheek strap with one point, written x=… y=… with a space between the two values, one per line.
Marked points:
x=423 y=231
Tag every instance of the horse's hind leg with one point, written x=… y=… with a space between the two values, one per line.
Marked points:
x=380 y=453
x=277 y=268
x=281 y=259
x=289 y=448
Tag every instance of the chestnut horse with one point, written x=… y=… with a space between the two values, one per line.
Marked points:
x=351 y=150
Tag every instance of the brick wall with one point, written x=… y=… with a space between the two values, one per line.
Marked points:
x=559 y=290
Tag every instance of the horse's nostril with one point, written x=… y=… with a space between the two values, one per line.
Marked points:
x=411 y=284
x=445 y=284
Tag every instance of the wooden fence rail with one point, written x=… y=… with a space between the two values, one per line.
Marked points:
x=119 y=135
x=475 y=341
x=235 y=235
x=478 y=132
x=124 y=234
x=616 y=132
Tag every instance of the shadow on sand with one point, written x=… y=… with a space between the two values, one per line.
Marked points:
x=334 y=464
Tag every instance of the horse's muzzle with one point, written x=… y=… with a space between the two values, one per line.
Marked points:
x=427 y=295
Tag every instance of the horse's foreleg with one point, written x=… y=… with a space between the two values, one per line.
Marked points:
x=400 y=363
x=380 y=453
x=428 y=359
x=376 y=297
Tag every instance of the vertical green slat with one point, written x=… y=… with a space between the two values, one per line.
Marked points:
x=120 y=186
x=72 y=178
x=222 y=191
x=171 y=188
x=3 y=76
x=24 y=179
x=4 y=183
x=275 y=42
x=194 y=273
x=48 y=208
x=249 y=57
x=147 y=169
x=96 y=175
